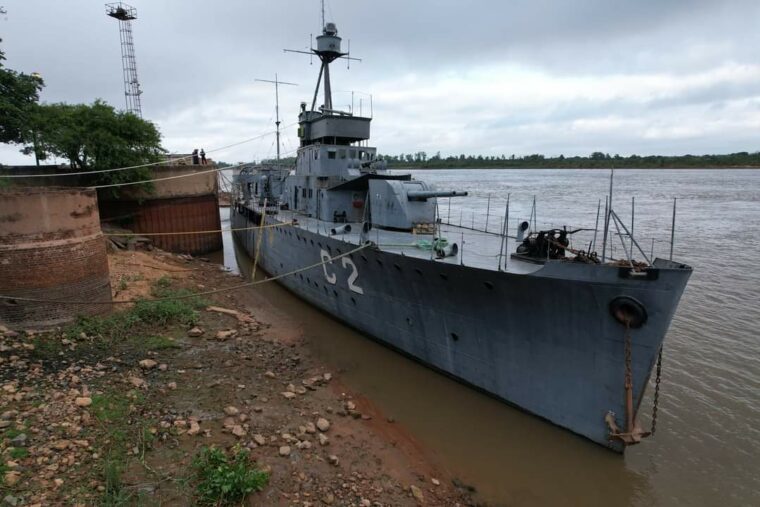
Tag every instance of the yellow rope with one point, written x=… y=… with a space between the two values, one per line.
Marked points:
x=196 y=294
x=195 y=232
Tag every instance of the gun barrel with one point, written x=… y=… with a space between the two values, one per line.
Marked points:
x=423 y=195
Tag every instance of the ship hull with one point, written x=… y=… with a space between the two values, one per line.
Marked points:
x=544 y=342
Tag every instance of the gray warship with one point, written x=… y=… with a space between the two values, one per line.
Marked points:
x=562 y=333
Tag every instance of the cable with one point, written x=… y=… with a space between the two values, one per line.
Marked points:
x=196 y=294
x=141 y=165
x=124 y=184
x=197 y=232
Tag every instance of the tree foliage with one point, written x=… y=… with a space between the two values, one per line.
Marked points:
x=19 y=94
x=596 y=160
x=94 y=137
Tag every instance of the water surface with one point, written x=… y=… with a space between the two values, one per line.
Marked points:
x=707 y=447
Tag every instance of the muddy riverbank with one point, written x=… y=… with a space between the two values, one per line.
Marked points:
x=116 y=410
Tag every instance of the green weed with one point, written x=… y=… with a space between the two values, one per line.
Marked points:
x=160 y=343
x=223 y=479
x=18 y=452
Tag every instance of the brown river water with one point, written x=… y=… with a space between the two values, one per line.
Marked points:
x=707 y=447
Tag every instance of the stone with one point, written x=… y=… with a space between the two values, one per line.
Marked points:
x=19 y=440
x=327 y=377
x=4 y=424
x=83 y=401
x=230 y=410
x=323 y=424
x=137 y=382
x=329 y=499
x=238 y=430
x=148 y=364
x=288 y=395
x=323 y=440
x=291 y=388
x=435 y=481
x=417 y=493
x=58 y=482
x=163 y=366
x=12 y=477
x=310 y=427
x=350 y=405
x=365 y=503
x=172 y=385
x=269 y=374
x=285 y=450
x=258 y=409
x=259 y=439
x=195 y=332
x=61 y=445
x=225 y=334
x=10 y=500
x=333 y=460
x=195 y=428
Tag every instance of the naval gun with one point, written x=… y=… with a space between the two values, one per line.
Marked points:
x=404 y=205
x=424 y=195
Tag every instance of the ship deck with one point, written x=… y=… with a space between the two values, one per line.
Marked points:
x=476 y=248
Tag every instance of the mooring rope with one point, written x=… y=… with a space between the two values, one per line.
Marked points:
x=260 y=136
x=195 y=294
x=198 y=232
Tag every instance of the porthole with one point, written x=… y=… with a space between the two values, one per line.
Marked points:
x=488 y=285
x=353 y=301
x=455 y=337
x=418 y=271
x=443 y=276
x=335 y=293
x=364 y=258
x=379 y=262
x=398 y=268
x=312 y=243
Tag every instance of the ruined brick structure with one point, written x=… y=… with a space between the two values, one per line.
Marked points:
x=176 y=205
x=51 y=247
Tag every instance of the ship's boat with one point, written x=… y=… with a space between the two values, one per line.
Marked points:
x=566 y=334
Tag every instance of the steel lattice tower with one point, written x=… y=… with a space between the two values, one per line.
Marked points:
x=125 y=14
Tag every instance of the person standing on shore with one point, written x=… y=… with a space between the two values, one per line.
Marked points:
x=203 y=157
x=195 y=156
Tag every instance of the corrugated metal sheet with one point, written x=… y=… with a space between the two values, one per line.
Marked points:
x=179 y=214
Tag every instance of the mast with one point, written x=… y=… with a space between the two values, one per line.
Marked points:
x=327 y=50
x=276 y=84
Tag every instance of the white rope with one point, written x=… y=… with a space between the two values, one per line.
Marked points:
x=196 y=294
x=142 y=165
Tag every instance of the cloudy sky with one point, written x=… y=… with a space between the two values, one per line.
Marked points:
x=478 y=77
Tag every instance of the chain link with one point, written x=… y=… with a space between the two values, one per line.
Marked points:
x=657 y=381
x=628 y=372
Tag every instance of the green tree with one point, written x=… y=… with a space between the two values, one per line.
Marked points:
x=19 y=94
x=94 y=137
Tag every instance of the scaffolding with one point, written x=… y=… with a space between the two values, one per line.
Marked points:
x=125 y=14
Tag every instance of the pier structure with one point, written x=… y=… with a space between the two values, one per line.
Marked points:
x=51 y=248
x=185 y=204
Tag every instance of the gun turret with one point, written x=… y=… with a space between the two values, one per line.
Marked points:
x=424 y=195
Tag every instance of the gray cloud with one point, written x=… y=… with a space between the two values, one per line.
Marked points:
x=648 y=68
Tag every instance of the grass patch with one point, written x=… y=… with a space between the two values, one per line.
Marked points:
x=223 y=479
x=12 y=433
x=18 y=452
x=144 y=314
x=160 y=343
x=109 y=407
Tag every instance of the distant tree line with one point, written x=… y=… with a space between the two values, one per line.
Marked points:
x=421 y=160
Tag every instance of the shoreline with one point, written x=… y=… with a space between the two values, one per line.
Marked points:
x=235 y=376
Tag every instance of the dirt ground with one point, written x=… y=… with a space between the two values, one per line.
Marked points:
x=95 y=415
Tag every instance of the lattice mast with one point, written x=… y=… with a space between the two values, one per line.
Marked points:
x=125 y=14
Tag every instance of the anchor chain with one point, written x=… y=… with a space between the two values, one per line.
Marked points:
x=657 y=381
x=628 y=377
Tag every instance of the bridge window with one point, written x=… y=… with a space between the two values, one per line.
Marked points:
x=351 y=153
x=331 y=154
x=342 y=153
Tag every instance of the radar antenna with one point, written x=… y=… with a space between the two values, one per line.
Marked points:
x=277 y=84
x=327 y=50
